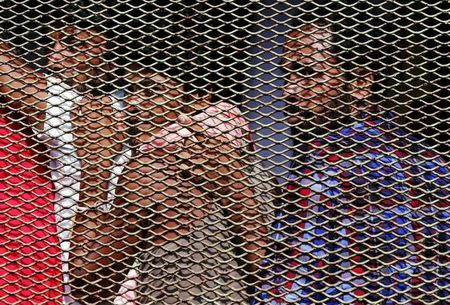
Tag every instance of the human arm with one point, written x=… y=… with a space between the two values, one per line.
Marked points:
x=99 y=135
x=100 y=243
x=22 y=89
x=103 y=245
x=226 y=135
x=222 y=120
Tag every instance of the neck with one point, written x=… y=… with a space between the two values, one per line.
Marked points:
x=82 y=82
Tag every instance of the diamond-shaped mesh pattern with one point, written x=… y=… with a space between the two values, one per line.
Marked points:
x=224 y=152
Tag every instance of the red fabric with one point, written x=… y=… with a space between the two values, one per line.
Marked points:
x=30 y=262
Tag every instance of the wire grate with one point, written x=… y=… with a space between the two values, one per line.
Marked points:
x=224 y=152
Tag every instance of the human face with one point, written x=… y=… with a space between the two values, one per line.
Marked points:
x=153 y=98
x=314 y=82
x=76 y=53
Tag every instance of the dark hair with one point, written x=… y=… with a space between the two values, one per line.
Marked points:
x=184 y=39
x=148 y=37
x=84 y=14
x=87 y=15
x=362 y=31
x=158 y=36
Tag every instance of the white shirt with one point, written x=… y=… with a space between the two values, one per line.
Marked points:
x=65 y=165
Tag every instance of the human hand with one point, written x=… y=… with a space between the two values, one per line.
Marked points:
x=206 y=146
x=221 y=122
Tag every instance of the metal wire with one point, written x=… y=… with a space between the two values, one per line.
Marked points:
x=224 y=152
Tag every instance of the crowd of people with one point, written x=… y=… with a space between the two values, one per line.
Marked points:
x=157 y=198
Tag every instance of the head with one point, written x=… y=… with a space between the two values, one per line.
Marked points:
x=77 y=54
x=160 y=80
x=80 y=42
x=320 y=85
x=153 y=97
x=337 y=57
x=157 y=93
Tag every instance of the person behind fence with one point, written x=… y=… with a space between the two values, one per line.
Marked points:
x=66 y=106
x=182 y=198
x=364 y=218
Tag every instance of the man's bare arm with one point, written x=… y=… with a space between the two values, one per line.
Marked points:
x=105 y=244
x=23 y=90
x=98 y=140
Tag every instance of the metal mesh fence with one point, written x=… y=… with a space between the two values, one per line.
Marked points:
x=224 y=152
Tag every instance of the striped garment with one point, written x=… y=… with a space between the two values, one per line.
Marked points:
x=364 y=219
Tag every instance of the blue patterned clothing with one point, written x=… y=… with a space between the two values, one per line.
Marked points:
x=365 y=218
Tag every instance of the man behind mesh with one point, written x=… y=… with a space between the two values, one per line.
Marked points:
x=365 y=212
x=181 y=203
